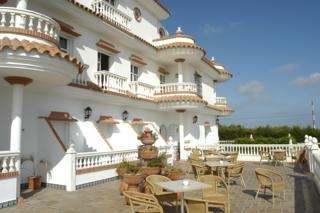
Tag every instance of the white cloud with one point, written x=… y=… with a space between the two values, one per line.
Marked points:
x=211 y=29
x=253 y=88
x=286 y=68
x=311 y=79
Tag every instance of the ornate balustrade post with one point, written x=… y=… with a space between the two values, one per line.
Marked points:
x=70 y=159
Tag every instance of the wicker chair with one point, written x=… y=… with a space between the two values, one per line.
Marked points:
x=195 y=205
x=232 y=157
x=269 y=179
x=158 y=192
x=200 y=170
x=218 y=194
x=140 y=202
x=236 y=171
x=264 y=156
x=279 y=156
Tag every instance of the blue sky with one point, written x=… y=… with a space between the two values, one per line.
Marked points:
x=271 y=46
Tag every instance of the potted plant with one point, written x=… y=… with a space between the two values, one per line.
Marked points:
x=154 y=165
x=132 y=177
x=174 y=173
x=148 y=137
x=147 y=152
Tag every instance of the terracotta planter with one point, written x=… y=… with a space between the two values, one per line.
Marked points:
x=133 y=181
x=176 y=175
x=151 y=170
x=123 y=186
x=147 y=141
x=147 y=154
x=121 y=172
x=34 y=182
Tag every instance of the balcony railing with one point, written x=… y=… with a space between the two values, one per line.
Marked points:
x=141 y=90
x=111 y=13
x=221 y=101
x=30 y=23
x=111 y=82
x=8 y=161
x=172 y=88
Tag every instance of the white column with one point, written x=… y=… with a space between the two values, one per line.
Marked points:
x=16 y=118
x=18 y=84
x=70 y=163
x=181 y=137
x=22 y=4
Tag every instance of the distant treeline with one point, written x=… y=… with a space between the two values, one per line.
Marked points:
x=234 y=132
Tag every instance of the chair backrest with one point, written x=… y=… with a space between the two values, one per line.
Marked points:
x=280 y=155
x=196 y=152
x=143 y=202
x=234 y=157
x=196 y=205
x=152 y=179
x=198 y=170
x=218 y=185
x=264 y=176
x=236 y=169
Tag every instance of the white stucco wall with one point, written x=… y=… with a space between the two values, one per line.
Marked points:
x=8 y=189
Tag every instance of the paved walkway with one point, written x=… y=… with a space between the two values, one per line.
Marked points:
x=301 y=197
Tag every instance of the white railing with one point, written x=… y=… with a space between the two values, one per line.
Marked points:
x=29 y=20
x=111 y=82
x=251 y=151
x=8 y=161
x=141 y=90
x=221 y=101
x=88 y=160
x=80 y=79
x=313 y=158
x=111 y=13
x=97 y=159
x=172 y=88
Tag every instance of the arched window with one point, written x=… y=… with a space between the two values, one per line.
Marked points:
x=163 y=132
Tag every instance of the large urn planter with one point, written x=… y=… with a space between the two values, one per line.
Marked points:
x=133 y=181
x=150 y=170
x=147 y=152
x=147 y=141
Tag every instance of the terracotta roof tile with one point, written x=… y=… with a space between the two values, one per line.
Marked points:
x=211 y=64
x=180 y=44
x=28 y=46
x=220 y=108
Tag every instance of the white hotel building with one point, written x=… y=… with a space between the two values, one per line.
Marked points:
x=94 y=73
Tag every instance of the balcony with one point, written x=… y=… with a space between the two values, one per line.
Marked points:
x=142 y=90
x=29 y=23
x=176 y=88
x=221 y=101
x=111 y=13
x=111 y=82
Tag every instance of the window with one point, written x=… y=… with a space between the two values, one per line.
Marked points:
x=198 y=82
x=134 y=73
x=65 y=44
x=103 y=62
x=110 y=1
x=161 y=32
x=162 y=79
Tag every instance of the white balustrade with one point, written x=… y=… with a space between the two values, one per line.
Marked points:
x=111 y=13
x=221 y=101
x=173 y=88
x=80 y=79
x=8 y=161
x=111 y=82
x=29 y=20
x=98 y=159
x=142 y=90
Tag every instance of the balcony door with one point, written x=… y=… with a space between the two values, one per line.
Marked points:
x=198 y=82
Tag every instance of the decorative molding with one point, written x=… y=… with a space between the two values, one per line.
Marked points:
x=60 y=116
x=53 y=186
x=180 y=110
x=138 y=60
x=18 y=80
x=163 y=71
x=8 y=175
x=67 y=28
x=106 y=120
x=179 y=60
x=8 y=204
x=137 y=121
x=85 y=185
x=3 y=1
x=107 y=46
x=29 y=33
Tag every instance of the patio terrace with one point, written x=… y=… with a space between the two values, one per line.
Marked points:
x=301 y=195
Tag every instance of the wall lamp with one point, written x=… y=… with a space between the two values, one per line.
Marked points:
x=87 y=113
x=125 y=115
x=195 y=119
